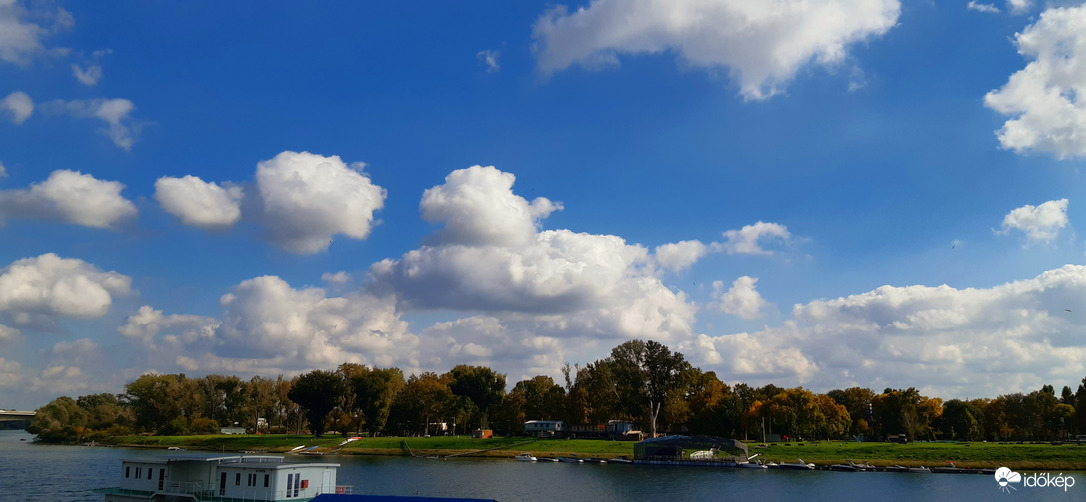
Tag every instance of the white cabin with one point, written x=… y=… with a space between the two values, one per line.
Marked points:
x=255 y=478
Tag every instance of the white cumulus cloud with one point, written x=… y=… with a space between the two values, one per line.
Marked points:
x=51 y=285
x=198 y=203
x=18 y=105
x=1040 y=223
x=751 y=238
x=742 y=299
x=72 y=197
x=949 y=342
x=478 y=206
x=762 y=44
x=307 y=199
x=491 y=257
x=678 y=256
x=1046 y=97
x=146 y=323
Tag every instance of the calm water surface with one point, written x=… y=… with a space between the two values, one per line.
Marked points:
x=35 y=472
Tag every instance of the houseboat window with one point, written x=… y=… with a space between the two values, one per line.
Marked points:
x=290 y=481
x=297 y=481
x=237 y=479
x=266 y=479
x=222 y=483
x=139 y=472
x=150 y=472
x=161 y=478
x=127 y=471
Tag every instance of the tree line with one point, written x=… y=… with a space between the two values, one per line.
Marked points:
x=641 y=382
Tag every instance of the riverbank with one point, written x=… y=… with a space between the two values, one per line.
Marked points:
x=1032 y=456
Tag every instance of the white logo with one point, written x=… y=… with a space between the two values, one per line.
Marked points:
x=1005 y=477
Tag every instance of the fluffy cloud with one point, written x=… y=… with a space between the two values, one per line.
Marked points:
x=3 y=172
x=750 y=238
x=742 y=299
x=22 y=30
x=52 y=285
x=19 y=105
x=1046 y=97
x=478 y=207
x=946 y=341
x=70 y=196
x=121 y=129
x=490 y=257
x=762 y=44
x=1041 y=223
x=306 y=199
x=89 y=76
x=148 y=322
x=198 y=203
x=266 y=318
x=679 y=256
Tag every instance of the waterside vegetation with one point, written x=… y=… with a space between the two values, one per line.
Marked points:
x=643 y=383
x=1037 y=456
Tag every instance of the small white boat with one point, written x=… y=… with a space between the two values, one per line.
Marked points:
x=801 y=466
x=525 y=457
x=752 y=465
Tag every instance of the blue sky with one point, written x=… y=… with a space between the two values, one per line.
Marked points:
x=826 y=194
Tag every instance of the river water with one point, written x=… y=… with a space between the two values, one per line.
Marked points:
x=36 y=472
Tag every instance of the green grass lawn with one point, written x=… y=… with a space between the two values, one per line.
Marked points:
x=1018 y=456
x=1026 y=456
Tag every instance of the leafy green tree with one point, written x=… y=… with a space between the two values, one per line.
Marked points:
x=543 y=399
x=704 y=396
x=962 y=420
x=857 y=401
x=647 y=373
x=594 y=396
x=317 y=392
x=60 y=421
x=374 y=389
x=154 y=399
x=509 y=415
x=482 y=385
x=423 y=400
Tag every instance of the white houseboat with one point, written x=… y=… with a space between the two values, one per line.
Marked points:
x=219 y=479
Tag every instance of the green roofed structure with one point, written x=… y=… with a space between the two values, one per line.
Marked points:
x=691 y=450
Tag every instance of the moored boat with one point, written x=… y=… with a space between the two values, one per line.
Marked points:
x=525 y=457
x=801 y=466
